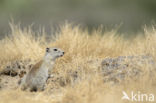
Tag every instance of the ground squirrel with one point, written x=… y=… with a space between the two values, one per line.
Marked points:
x=36 y=78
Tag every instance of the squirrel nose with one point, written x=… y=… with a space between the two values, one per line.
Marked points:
x=63 y=52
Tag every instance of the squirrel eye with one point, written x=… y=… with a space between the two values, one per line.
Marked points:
x=55 y=49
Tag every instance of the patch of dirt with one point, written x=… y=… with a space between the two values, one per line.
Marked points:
x=13 y=72
x=18 y=67
x=8 y=82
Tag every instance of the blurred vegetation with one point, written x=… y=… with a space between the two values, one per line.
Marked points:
x=132 y=14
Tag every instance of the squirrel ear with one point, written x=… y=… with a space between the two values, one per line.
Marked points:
x=47 y=49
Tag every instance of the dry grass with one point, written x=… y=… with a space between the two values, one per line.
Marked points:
x=80 y=47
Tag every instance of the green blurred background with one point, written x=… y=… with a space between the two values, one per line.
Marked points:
x=132 y=14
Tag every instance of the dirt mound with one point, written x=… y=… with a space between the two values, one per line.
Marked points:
x=119 y=68
x=114 y=70
x=12 y=73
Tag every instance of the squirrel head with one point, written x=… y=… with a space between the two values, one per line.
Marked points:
x=53 y=53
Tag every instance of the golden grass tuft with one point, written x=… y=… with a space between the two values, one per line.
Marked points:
x=80 y=47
